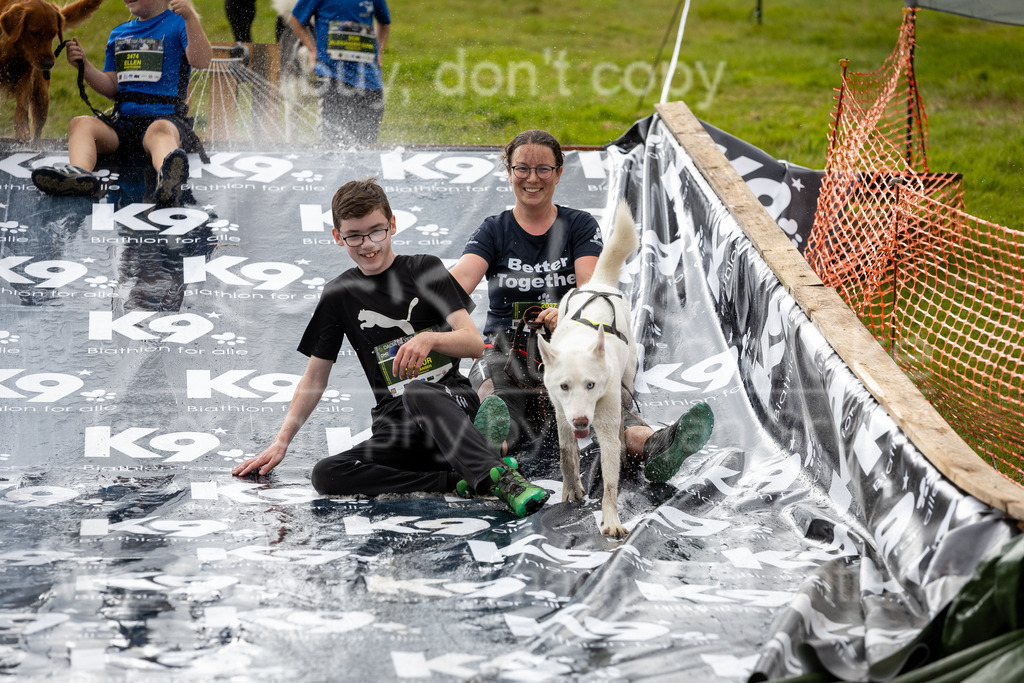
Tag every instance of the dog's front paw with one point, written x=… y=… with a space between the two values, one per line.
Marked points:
x=615 y=529
x=571 y=493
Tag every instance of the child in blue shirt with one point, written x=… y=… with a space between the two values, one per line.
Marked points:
x=146 y=72
x=345 y=54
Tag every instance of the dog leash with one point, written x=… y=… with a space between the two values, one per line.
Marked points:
x=109 y=120
x=56 y=53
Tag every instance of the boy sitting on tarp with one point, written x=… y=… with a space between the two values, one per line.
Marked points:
x=408 y=321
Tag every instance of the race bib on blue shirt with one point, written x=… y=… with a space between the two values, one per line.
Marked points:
x=139 y=59
x=351 y=41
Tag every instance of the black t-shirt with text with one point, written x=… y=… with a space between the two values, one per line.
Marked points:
x=525 y=268
x=415 y=293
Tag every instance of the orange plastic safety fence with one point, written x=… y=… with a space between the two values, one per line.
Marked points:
x=942 y=291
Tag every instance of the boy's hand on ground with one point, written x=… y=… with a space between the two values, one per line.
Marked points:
x=262 y=463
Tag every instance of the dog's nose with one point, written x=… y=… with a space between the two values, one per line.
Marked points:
x=580 y=422
x=47 y=63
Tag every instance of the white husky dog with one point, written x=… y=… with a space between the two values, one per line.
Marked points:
x=590 y=359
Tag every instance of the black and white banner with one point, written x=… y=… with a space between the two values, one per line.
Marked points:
x=145 y=351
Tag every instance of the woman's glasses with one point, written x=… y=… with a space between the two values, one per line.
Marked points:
x=543 y=172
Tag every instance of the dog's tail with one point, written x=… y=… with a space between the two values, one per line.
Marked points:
x=620 y=245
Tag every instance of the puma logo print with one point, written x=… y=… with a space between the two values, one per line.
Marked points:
x=368 y=318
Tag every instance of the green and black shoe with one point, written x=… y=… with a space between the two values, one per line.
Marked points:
x=172 y=175
x=523 y=497
x=492 y=420
x=666 y=449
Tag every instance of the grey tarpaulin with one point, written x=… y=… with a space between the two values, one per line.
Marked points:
x=144 y=351
x=788 y=192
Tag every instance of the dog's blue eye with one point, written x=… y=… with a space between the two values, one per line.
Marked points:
x=590 y=385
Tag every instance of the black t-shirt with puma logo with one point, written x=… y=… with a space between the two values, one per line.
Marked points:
x=414 y=294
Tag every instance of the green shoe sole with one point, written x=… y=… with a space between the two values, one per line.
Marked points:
x=493 y=421
x=690 y=433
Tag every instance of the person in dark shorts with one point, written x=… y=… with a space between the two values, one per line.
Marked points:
x=346 y=46
x=146 y=72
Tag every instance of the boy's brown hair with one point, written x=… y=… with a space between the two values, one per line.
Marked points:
x=356 y=199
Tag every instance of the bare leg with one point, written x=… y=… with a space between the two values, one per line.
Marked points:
x=161 y=139
x=88 y=137
x=636 y=437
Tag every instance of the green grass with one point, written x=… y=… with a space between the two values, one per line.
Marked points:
x=774 y=89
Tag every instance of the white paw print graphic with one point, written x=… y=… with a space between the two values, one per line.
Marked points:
x=99 y=395
x=307 y=176
x=228 y=338
x=109 y=177
x=101 y=282
x=335 y=396
x=8 y=338
x=12 y=227
x=316 y=283
x=790 y=227
x=432 y=230
x=235 y=455
x=223 y=225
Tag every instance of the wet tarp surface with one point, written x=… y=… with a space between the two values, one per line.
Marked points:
x=144 y=352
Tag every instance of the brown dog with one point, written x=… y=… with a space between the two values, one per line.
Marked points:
x=27 y=31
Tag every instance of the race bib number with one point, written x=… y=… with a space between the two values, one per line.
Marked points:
x=433 y=368
x=520 y=307
x=139 y=59
x=351 y=41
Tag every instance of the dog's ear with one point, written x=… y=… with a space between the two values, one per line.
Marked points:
x=547 y=351
x=13 y=21
x=599 y=344
x=77 y=12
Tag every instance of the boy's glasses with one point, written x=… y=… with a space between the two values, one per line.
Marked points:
x=376 y=236
x=543 y=172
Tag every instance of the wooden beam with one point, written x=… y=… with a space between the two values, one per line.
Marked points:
x=839 y=325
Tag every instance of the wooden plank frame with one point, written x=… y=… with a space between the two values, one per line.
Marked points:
x=839 y=325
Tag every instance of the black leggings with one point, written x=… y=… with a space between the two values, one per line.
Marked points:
x=417 y=446
x=531 y=412
x=241 y=14
x=349 y=115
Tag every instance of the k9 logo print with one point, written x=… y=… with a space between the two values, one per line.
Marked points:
x=101 y=442
x=48 y=274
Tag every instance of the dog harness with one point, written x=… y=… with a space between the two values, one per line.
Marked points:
x=609 y=328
